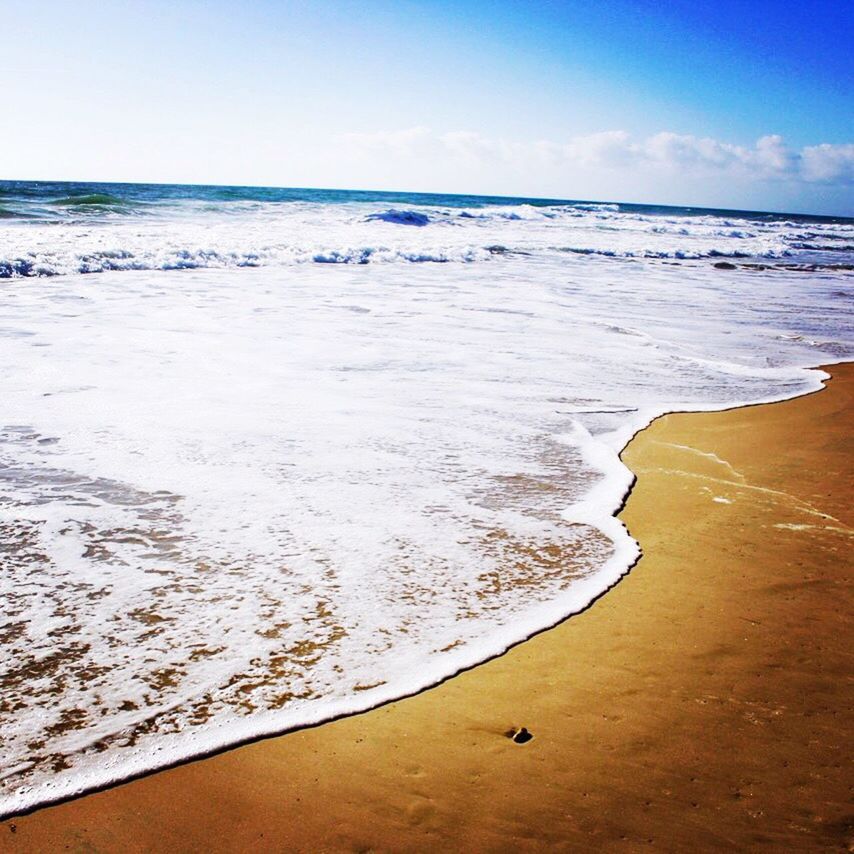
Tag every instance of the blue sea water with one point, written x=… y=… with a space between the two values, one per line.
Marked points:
x=30 y=197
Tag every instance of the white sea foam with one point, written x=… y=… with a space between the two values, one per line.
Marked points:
x=254 y=234
x=238 y=501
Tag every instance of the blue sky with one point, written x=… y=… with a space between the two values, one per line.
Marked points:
x=608 y=99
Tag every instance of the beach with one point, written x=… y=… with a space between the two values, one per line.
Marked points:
x=703 y=704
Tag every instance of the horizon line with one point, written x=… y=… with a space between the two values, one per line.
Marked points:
x=553 y=199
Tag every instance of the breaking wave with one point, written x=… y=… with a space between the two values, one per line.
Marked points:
x=400 y=218
x=53 y=264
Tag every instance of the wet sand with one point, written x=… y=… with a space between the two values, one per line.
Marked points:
x=704 y=704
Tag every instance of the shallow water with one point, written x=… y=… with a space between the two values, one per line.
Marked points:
x=234 y=501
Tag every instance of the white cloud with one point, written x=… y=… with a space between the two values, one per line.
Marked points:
x=773 y=155
x=768 y=158
x=406 y=141
x=686 y=151
x=474 y=146
x=830 y=163
x=610 y=148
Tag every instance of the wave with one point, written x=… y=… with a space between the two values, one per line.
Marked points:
x=19 y=268
x=185 y=259
x=677 y=254
x=114 y=260
x=96 y=201
x=823 y=235
x=514 y=213
x=90 y=199
x=5 y=213
x=684 y=231
x=594 y=207
x=824 y=247
x=400 y=217
x=364 y=256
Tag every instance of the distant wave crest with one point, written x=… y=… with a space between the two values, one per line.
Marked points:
x=93 y=199
x=400 y=217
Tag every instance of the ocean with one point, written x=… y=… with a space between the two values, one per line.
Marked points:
x=269 y=456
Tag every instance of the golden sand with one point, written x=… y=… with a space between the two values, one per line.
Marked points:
x=704 y=704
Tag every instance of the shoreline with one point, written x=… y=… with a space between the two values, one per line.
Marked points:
x=628 y=551
x=364 y=718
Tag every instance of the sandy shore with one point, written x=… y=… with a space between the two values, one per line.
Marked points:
x=703 y=704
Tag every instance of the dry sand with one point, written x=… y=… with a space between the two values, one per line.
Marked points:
x=704 y=704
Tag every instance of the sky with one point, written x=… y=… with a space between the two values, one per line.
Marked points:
x=734 y=103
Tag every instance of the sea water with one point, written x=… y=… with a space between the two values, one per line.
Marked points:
x=272 y=456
